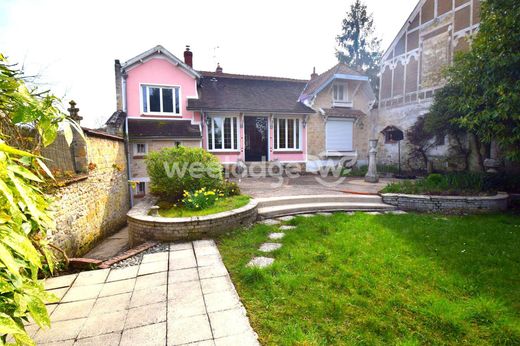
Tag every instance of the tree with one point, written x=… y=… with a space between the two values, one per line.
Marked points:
x=483 y=84
x=358 y=46
x=28 y=120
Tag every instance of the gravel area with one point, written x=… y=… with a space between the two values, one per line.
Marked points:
x=136 y=260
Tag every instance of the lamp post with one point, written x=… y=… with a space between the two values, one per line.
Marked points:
x=371 y=176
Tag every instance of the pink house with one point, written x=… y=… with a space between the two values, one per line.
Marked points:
x=163 y=101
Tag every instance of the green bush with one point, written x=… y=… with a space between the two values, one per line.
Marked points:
x=175 y=170
x=230 y=188
x=460 y=183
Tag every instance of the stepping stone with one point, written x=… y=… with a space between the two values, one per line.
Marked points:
x=286 y=218
x=286 y=228
x=269 y=247
x=325 y=214
x=276 y=236
x=306 y=215
x=260 y=262
x=270 y=222
x=373 y=213
x=349 y=213
x=397 y=212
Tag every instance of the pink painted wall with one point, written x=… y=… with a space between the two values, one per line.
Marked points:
x=160 y=71
x=233 y=156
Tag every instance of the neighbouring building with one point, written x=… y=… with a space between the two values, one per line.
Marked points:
x=411 y=70
x=163 y=101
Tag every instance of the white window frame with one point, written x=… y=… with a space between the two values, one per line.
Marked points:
x=344 y=86
x=138 y=190
x=223 y=117
x=136 y=152
x=161 y=86
x=338 y=119
x=276 y=136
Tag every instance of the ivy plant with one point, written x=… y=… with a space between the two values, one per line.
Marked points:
x=29 y=120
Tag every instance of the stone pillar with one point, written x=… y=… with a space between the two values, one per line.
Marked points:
x=371 y=175
x=78 y=145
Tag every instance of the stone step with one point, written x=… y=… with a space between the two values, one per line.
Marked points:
x=303 y=199
x=303 y=208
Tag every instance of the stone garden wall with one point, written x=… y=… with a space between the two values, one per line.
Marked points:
x=448 y=204
x=143 y=227
x=91 y=205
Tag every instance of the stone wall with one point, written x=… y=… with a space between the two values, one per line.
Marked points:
x=448 y=204
x=143 y=227
x=94 y=205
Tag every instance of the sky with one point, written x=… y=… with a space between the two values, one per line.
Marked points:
x=71 y=44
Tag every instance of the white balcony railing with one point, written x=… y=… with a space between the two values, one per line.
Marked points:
x=345 y=104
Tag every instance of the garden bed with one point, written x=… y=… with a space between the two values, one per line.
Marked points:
x=143 y=227
x=224 y=204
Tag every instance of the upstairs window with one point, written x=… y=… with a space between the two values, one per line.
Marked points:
x=339 y=92
x=161 y=99
x=286 y=134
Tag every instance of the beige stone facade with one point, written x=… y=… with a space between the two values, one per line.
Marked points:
x=95 y=204
x=316 y=123
x=137 y=161
x=411 y=69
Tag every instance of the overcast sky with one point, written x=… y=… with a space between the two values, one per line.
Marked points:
x=72 y=45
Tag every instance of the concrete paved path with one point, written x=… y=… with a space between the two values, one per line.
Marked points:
x=181 y=297
x=110 y=246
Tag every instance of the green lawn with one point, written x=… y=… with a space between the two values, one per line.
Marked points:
x=383 y=280
x=221 y=205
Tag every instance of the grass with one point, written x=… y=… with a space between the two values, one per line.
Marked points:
x=221 y=205
x=383 y=280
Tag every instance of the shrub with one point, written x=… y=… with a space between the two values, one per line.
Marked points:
x=200 y=199
x=175 y=170
x=460 y=183
x=230 y=188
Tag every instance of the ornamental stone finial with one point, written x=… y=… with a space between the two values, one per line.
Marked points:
x=73 y=111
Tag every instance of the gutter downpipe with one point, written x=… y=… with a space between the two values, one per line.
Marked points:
x=125 y=136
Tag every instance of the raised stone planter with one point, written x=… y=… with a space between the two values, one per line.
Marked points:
x=143 y=227
x=448 y=204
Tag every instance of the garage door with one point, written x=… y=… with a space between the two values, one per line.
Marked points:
x=339 y=134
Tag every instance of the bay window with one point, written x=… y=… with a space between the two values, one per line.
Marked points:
x=222 y=133
x=286 y=134
x=161 y=99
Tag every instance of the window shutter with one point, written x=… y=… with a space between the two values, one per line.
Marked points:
x=339 y=135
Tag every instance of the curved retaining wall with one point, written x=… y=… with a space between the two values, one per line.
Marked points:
x=448 y=204
x=143 y=227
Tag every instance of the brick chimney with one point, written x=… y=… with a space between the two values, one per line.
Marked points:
x=188 y=56
x=119 y=87
x=314 y=74
x=219 y=69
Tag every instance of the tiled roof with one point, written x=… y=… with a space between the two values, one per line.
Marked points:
x=343 y=112
x=143 y=128
x=231 y=92
x=315 y=83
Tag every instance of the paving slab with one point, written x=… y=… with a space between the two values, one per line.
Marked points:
x=189 y=330
x=270 y=222
x=60 y=281
x=269 y=247
x=91 y=277
x=230 y=322
x=159 y=302
x=276 y=235
x=123 y=273
x=155 y=257
x=183 y=275
x=144 y=315
x=260 y=262
x=111 y=339
x=150 y=335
